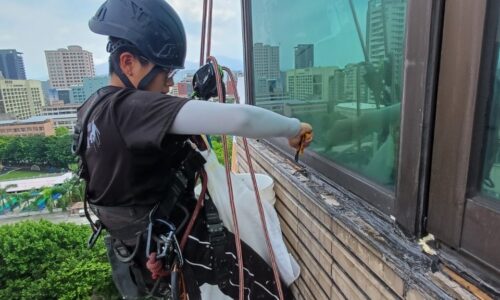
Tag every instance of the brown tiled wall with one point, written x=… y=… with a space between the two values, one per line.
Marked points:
x=335 y=263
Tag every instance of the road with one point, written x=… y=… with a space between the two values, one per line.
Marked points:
x=56 y=217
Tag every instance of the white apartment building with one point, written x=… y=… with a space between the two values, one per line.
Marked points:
x=68 y=67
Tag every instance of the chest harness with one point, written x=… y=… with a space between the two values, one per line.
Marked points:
x=150 y=232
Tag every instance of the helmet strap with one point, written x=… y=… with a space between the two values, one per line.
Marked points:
x=143 y=84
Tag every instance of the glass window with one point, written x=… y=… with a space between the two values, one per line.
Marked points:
x=491 y=163
x=337 y=65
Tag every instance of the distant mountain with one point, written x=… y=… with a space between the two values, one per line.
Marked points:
x=102 y=69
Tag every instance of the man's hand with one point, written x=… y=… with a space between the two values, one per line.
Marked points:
x=306 y=133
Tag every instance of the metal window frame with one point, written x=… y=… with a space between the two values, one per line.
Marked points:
x=455 y=205
x=421 y=49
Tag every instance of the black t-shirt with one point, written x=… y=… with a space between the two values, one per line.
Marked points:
x=127 y=148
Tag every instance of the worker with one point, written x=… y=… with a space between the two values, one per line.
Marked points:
x=137 y=158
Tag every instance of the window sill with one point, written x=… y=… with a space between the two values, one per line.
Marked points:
x=351 y=245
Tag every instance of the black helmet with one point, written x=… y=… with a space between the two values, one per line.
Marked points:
x=152 y=26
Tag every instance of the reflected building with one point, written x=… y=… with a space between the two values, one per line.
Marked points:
x=355 y=87
x=300 y=107
x=304 y=56
x=266 y=70
x=336 y=84
x=310 y=83
x=385 y=35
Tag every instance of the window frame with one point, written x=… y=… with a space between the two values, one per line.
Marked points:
x=459 y=140
x=421 y=47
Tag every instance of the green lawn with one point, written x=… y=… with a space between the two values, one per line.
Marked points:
x=23 y=174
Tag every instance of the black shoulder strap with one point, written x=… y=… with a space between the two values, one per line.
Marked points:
x=78 y=148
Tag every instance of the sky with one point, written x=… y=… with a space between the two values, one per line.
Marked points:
x=326 y=24
x=32 y=26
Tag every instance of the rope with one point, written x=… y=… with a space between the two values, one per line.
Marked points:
x=226 y=161
x=197 y=209
x=155 y=267
x=257 y=198
x=237 y=239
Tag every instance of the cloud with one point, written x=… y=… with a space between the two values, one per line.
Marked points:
x=32 y=26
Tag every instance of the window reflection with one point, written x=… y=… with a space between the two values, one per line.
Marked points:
x=337 y=65
x=491 y=164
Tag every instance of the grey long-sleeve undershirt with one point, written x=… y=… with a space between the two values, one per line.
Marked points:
x=202 y=117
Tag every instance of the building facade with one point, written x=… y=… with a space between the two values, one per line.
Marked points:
x=28 y=127
x=12 y=64
x=21 y=98
x=64 y=95
x=59 y=109
x=68 y=67
x=77 y=94
x=185 y=87
x=92 y=84
x=398 y=195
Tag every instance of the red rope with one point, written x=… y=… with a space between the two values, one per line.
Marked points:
x=156 y=267
x=237 y=239
x=197 y=209
x=257 y=198
x=226 y=160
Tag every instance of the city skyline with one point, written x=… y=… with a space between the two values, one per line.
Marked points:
x=32 y=26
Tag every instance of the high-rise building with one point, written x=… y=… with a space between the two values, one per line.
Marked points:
x=21 y=98
x=68 y=67
x=304 y=56
x=266 y=69
x=385 y=29
x=92 y=84
x=12 y=64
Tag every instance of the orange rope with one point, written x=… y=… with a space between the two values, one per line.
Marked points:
x=227 y=163
x=257 y=198
x=237 y=239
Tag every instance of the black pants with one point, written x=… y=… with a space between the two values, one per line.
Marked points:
x=134 y=280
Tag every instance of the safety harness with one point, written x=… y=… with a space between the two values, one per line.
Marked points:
x=150 y=229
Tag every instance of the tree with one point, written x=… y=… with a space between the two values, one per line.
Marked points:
x=42 y=260
x=60 y=131
x=59 y=151
x=53 y=150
